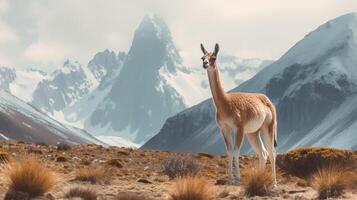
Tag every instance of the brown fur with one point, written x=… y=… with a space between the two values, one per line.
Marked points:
x=242 y=107
x=242 y=113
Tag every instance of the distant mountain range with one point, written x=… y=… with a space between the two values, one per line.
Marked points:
x=21 y=121
x=124 y=95
x=314 y=88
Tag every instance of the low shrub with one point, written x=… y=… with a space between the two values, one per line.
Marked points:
x=81 y=192
x=303 y=162
x=4 y=157
x=63 y=147
x=257 y=182
x=191 y=188
x=29 y=176
x=180 y=167
x=330 y=181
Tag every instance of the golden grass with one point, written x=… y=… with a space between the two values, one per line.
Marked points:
x=131 y=196
x=94 y=174
x=330 y=181
x=81 y=192
x=28 y=175
x=257 y=182
x=303 y=162
x=191 y=188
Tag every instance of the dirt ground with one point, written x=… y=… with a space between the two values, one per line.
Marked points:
x=136 y=164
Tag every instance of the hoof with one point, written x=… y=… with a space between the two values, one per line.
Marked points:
x=229 y=182
x=275 y=185
x=237 y=182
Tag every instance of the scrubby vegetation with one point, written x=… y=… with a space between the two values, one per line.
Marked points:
x=303 y=162
x=191 y=188
x=330 y=181
x=94 y=174
x=29 y=176
x=257 y=182
x=180 y=167
x=63 y=147
x=83 y=193
x=123 y=174
x=4 y=157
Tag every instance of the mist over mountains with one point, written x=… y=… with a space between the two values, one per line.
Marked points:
x=128 y=95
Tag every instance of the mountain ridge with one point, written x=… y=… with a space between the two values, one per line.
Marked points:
x=327 y=76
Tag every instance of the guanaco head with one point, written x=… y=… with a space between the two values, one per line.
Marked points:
x=209 y=59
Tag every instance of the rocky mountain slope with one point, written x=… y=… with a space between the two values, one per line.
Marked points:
x=63 y=87
x=103 y=97
x=313 y=86
x=21 y=121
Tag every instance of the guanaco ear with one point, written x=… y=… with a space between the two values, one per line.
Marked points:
x=203 y=49
x=216 y=49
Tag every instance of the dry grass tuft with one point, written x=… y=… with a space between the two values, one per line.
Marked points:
x=257 y=182
x=4 y=157
x=63 y=147
x=303 y=162
x=131 y=196
x=191 y=188
x=29 y=176
x=330 y=181
x=180 y=167
x=81 y=192
x=94 y=175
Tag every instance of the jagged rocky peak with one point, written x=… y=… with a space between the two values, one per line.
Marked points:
x=153 y=43
x=105 y=62
x=68 y=67
x=141 y=98
x=7 y=75
x=63 y=87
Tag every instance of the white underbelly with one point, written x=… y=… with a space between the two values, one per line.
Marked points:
x=254 y=124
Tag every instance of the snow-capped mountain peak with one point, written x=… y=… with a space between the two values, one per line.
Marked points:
x=63 y=87
x=328 y=37
x=311 y=86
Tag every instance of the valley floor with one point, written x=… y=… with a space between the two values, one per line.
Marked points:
x=139 y=170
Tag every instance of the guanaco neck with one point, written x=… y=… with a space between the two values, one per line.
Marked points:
x=218 y=93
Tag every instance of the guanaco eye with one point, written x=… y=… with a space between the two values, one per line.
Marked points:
x=203 y=58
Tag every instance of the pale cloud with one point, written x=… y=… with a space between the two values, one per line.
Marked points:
x=45 y=33
x=3 y=6
x=46 y=52
x=7 y=35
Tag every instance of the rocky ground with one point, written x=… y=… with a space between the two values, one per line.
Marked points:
x=139 y=170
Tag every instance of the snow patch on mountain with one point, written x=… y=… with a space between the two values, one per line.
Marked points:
x=25 y=83
x=63 y=87
x=25 y=122
x=117 y=141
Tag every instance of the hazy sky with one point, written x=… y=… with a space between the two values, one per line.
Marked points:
x=44 y=33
